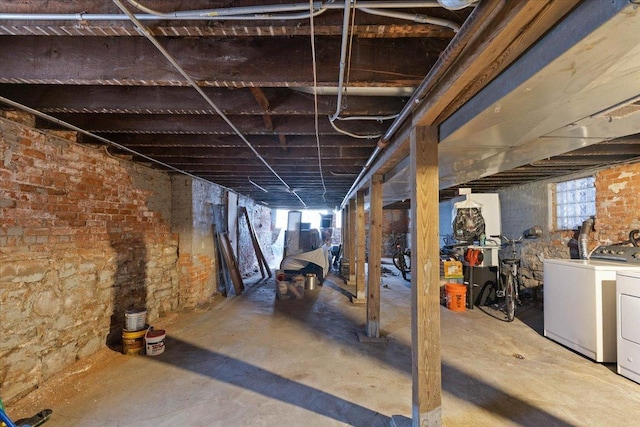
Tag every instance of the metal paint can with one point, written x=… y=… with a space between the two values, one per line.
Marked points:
x=311 y=281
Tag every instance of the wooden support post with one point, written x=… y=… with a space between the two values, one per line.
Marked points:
x=352 y=242
x=346 y=245
x=425 y=279
x=344 y=233
x=360 y=296
x=375 y=257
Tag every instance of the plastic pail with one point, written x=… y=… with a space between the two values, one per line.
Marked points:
x=154 y=340
x=456 y=296
x=134 y=320
x=133 y=342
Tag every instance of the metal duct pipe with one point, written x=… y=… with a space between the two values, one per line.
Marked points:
x=583 y=238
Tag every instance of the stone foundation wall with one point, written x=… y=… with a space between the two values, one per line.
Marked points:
x=83 y=237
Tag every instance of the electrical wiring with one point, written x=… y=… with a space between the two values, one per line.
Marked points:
x=350 y=49
x=101 y=139
x=145 y=31
x=315 y=100
x=353 y=135
x=257 y=185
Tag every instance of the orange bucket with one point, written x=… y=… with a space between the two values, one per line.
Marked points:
x=456 y=296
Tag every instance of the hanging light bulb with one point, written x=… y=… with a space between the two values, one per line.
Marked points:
x=456 y=4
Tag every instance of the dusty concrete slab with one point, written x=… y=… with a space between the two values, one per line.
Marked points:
x=259 y=361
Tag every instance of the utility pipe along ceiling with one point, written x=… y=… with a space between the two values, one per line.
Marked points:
x=293 y=104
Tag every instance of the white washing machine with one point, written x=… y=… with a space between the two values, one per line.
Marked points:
x=580 y=305
x=628 y=324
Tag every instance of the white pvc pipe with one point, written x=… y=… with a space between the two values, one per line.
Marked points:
x=415 y=17
x=359 y=90
x=343 y=58
x=245 y=13
x=193 y=83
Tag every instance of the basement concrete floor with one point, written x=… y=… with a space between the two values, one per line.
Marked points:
x=254 y=360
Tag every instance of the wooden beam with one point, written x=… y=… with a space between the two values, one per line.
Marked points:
x=425 y=279
x=283 y=141
x=350 y=156
x=135 y=61
x=233 y=141
x=344 y=236
x=101 y=29
x=185 y=100
x=517 y=28
x=262 y=100
x=231 y=263
x=480 y=43
x=352 y=242
x=360 y=248
x=375 y=258
x=205 y=124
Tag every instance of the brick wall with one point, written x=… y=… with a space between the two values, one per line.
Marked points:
x=82 y=239
x=395 y=226
x=84 y=236
x=193 y=205
x=192 y=219
x=617 y=203
x=617 y=213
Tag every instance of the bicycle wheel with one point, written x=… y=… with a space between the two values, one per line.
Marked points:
x=510 y=298
x=402 y=262
x=407 y=265
x=398 y=259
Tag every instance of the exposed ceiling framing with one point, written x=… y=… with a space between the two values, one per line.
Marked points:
x=85 y=63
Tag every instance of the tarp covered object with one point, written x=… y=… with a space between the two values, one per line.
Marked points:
x=318 y=256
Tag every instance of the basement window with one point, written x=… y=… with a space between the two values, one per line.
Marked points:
x=575 y=202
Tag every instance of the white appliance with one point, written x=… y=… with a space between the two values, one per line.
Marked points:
x=628 y=324
x=580 y=305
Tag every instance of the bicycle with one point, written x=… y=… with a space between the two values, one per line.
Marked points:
x=508 y=281
x=402 y=259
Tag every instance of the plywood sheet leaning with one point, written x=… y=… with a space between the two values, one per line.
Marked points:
x=262 y=261
x=224 y=278
x=231 y=263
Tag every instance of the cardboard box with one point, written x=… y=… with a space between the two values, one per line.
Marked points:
x=453 y=270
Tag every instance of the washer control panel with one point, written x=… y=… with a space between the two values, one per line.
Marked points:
x=618 y=253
